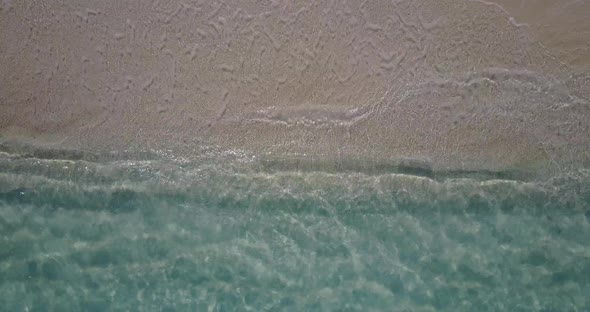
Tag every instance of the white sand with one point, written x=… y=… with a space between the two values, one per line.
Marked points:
x=466 y=84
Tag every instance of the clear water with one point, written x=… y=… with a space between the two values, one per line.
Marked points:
x=215 y=233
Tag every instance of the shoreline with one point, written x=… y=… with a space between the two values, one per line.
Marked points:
x=269 y=163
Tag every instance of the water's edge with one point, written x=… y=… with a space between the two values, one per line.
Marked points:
x=421 y=167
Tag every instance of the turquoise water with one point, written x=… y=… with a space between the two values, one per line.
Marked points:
x=152 y=232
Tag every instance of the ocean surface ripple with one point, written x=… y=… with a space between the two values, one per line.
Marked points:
x=151 y=232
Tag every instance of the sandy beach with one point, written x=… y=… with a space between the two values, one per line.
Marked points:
x=275 y=155
x=466 y=85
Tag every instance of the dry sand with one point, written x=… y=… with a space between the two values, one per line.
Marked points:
x=466 y=84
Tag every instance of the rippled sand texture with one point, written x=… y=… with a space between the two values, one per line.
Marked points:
x=561 y=26
x=467 y=84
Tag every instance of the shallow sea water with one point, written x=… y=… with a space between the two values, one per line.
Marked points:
x=152 y=232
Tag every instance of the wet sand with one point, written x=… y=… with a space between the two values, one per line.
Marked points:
x=465 y=84
x=562 y=27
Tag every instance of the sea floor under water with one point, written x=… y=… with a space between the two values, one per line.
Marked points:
x=152 y=232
